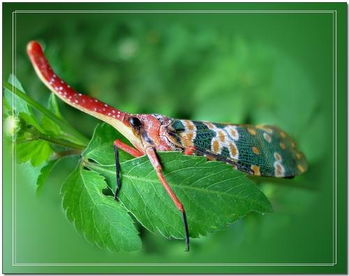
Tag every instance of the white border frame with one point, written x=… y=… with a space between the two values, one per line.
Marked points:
x=335 y=129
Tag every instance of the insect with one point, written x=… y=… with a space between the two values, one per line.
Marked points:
x=260 y=150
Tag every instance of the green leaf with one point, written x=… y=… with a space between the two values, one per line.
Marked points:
x=18 y=104
x=56 y=170
x=53 y=106
x=30 y=173
x=30 y=121
x=49 y=125
x=213 y=193
x=200 y=185
x=37 y=152
x=100 y=218
x=100 y=148
x=45 y=172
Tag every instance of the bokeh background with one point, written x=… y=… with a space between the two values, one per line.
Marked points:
x=274 y=68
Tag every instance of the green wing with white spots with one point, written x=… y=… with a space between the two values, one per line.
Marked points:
x=258 y=150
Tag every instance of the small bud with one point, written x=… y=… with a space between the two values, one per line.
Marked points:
x=11 y=125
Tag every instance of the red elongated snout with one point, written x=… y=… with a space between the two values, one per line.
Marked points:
x=85 y=103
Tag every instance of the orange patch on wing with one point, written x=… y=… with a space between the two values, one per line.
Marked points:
x=189 y=125
x=283 y=146
x=293 y=144
x=277 y=156
x=221 y=136
x=301 y=168
x=298 y=155
x=233 y=150
x=215 y=146
x=187 y=140
x=210 y=125
x=256 y=170
x=282 y=134
x=267 y=129
x=252 y=131
x=255 y=150
x=233 y=133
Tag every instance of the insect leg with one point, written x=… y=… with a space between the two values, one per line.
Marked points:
x=118 y=144
x=158 y=169
x=130 y=150
x=189 y=150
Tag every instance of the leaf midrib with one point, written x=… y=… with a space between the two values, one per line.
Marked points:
x=152 y=181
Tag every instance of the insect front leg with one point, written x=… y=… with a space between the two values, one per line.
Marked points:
x=118 y=144
x=189 y=150
x=151 y=153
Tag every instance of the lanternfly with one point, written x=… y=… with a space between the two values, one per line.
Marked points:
x=260 y=150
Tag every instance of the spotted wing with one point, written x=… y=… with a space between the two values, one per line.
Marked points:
x=258 y=150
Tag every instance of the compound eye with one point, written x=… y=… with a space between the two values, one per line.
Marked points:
x=135 y=122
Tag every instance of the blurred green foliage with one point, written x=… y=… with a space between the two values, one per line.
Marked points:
x=184 y=69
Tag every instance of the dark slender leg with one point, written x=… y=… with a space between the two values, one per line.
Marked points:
x=117 y=170
x=151 y=153
x=186 y=230
x=118 y=144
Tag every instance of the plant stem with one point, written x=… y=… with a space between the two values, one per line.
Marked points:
x=65 y=153
x=60 y=142
x=53 y=140
x=92 y=165
x=46 y=112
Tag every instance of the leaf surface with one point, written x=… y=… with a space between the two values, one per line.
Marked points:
x=213 y=193
x=100 y=218
x=18 y=104
x=100 y=148
x=49 y=125
x=53 y=106
x=37 y=152
x=45 y=172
